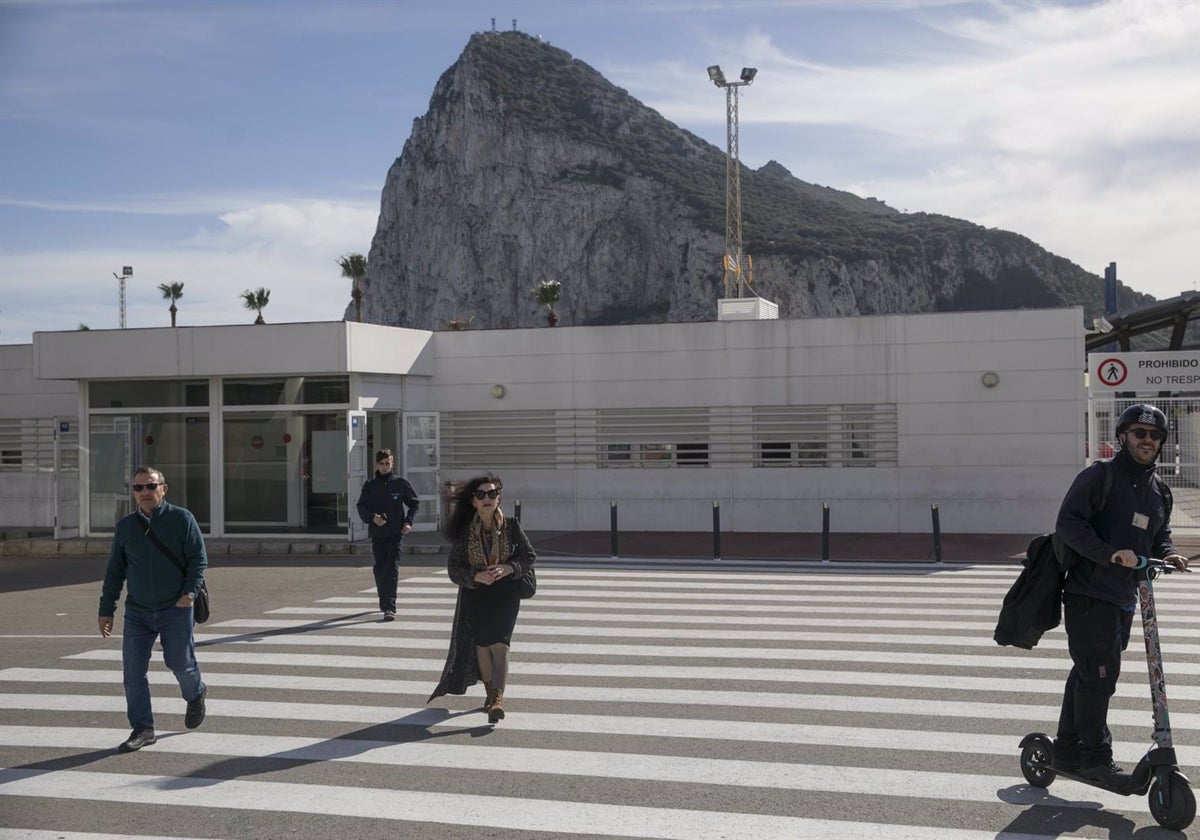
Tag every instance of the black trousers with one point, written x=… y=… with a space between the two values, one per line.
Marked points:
x=387 y=570
x=1097 y=633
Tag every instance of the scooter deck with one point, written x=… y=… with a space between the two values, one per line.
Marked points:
x=1136 y=783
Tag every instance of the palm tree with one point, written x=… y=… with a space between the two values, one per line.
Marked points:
x=354 y=266
x=548 y=292
x=171 y=292
x=257 y=300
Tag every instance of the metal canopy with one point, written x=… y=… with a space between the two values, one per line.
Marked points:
x=1174 y=314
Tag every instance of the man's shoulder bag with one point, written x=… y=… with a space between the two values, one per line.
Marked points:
x=200 y=607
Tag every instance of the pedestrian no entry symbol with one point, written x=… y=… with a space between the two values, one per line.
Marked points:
x=1112 y=372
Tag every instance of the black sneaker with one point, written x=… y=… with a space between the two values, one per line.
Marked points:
x=1110 y=775
x=195 y=711
x=389 y=616
x=137 y=739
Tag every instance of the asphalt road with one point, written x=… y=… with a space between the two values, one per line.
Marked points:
x=647 y=699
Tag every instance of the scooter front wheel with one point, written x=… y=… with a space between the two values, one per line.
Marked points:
x=1179 y=814
x=1036 y=759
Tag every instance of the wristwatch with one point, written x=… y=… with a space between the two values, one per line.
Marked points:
x=191 y=596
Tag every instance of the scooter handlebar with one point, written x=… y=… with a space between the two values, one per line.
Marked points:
x=1155 y=566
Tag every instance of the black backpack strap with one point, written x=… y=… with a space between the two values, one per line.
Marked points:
x=1106 y=487
x=1168 y=499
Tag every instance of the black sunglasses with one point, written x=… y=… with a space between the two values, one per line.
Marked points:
x=152 y=485
x=1154 y=434
x=486 y=494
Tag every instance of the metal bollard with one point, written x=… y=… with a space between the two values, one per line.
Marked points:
x=937 y=535
x=825 y=532
x=612 y=525
x=716 y=531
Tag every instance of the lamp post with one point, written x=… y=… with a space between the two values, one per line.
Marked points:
x=126 y=271
x=737 y=264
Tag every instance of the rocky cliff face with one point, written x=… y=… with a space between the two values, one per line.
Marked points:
x=530 y=166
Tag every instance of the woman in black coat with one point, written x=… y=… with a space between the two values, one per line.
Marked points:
x=489 y=556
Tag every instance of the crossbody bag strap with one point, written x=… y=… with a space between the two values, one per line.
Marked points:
x=161 y=547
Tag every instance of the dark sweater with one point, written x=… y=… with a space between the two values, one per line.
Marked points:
x=153 y=580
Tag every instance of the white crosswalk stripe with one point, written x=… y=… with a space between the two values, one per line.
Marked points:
x=653 y=700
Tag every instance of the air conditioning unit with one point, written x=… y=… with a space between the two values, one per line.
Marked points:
x=746 y=309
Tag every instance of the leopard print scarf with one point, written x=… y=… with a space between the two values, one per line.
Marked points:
x=500 y=548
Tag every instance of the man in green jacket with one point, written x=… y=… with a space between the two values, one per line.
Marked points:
x=158 y=553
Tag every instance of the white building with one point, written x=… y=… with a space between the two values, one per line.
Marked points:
x=269 y=429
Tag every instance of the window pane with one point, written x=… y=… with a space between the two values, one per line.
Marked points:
x=691 y=454
x=175 y=444
x=325 y=390
x=656 y=454
x=257 y=468
x=775 y=453
x=150 y=393
x=292 y=390
x=421 y=427
x=619 y=451
x=425 y=483
x=420 y=455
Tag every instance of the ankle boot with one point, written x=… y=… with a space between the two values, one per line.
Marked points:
x=496 y=710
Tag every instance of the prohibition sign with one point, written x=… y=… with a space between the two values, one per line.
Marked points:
x=1112 y=372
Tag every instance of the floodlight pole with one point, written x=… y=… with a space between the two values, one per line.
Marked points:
x=736 y=263
x=126 y=271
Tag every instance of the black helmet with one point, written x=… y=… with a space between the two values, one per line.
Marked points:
x=1145 y=414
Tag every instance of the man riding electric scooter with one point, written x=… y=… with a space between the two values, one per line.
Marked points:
x=1113 y=513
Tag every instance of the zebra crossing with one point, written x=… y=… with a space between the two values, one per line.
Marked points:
x=646 y=699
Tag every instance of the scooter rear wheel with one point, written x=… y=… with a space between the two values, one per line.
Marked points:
x=1036 y=759
x=1182 y=810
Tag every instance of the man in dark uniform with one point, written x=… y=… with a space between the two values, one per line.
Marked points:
x=387 y=504
x=1100 y=593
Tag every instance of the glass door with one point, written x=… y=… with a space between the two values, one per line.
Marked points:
x=421 y=462
x=110 y=452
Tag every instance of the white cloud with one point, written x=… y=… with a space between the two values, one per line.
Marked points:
x=314 y=226
x=1074 y=125
x=1071 y=123
x=292 y=249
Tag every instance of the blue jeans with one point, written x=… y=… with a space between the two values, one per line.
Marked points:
x=174 y=626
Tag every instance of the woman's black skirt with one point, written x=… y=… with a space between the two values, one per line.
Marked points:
x=491 y=611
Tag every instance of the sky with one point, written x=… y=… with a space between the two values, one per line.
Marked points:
x=235 y=144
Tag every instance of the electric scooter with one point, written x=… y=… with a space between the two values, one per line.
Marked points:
x=1172 y=803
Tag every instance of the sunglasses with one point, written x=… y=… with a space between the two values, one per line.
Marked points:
x=1153 y=434
x=153 y=485
x=486 y=494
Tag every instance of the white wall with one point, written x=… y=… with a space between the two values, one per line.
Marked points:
x=27 y=498
x=993 y=459
x=21 y=395
x=234 y=350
